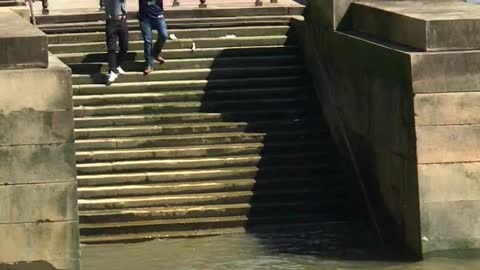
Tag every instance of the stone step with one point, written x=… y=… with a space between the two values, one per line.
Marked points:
x=175 y=44
x=199 y=151
x=188 y=107
x=303 y=170
x=157 y=130
x=163 y=141
x=198 y=199
x=423 y=25
x=211 y=186
x=182 y=85
x=195 y=74
x=141 y=237
x=184 y=23
x=182 y=118
x=165 y=189
x=197 y=140
x=169 y=152
x=190 y=15
x=197 y=128
x=171 y=54
x=189 y=224
x=188 y=95
x=184 y=212
x=136 y=35
x=195 y=163
x=192 y=63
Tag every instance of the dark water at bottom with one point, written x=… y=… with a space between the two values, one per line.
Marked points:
x=281 y=251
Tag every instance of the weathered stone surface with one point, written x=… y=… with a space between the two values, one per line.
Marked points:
x=426 y=26
x=459 y=225
x=328 y=13
x=438 y=144
x=55 y=243
x=37 y=163
x=447 y=109
x=455 y=71
x=34 y=127
x=21 y=44
x=40 y=89
x=39 y=202
x=449 y=182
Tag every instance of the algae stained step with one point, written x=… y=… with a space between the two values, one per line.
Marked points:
x=224 y=137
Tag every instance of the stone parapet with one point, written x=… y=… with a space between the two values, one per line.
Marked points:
x=407 y=118
x=21 y=44
x=38 y=217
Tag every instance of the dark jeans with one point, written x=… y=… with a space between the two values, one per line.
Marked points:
x=116 y=30
x=153 y=50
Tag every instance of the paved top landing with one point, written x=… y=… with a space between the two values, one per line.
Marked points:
x=71 y=6
x=429 y=11
x=427 y=26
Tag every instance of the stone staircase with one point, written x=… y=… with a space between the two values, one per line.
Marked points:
x=226 y=136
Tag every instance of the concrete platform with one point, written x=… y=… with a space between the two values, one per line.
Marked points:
x=426 y=26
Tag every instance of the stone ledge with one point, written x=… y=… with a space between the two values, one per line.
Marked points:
x=427 y=26
x=21 y=44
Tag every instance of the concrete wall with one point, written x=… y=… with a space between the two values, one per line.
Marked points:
x=410 y=122
x=38 y=213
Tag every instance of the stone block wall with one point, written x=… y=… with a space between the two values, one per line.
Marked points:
x=38 y=213
x=410 y=121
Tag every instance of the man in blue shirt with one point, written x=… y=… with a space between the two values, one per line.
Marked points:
x=151 y=17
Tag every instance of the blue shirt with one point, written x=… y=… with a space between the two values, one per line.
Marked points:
x=150 y=8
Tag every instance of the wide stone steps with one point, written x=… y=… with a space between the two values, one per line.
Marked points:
x=199 y=117
x=172 y=176
x=193 y=95
x=185 y=85
x=192 y=63
x=176 y=44
x=223 y=136
x=173 y=24
x=173 y=54
x=135 y=35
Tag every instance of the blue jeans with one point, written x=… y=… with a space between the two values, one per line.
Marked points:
x=153 y=50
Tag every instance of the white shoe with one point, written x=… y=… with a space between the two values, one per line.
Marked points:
x=121 y=71
x=112 y=76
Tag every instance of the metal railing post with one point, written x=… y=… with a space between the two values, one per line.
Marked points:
x=203 y=3
x=102 y=4
x=176 y=3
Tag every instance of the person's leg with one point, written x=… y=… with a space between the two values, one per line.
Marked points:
x=111 y=38
x=146 y=27
x=161 y=27
x=123 y=39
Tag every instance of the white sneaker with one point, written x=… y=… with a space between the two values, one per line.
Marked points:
x=121 y=71
x=112 y=76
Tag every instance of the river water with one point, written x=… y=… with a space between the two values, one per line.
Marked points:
x=307 y=250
